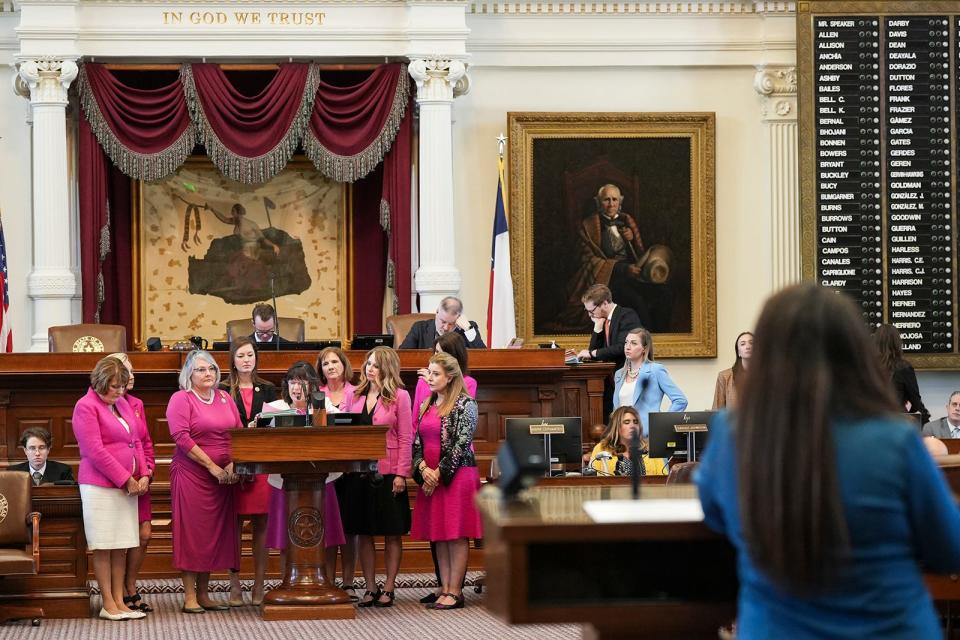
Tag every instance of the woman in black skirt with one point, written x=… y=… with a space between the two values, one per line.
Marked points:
x=385 y=505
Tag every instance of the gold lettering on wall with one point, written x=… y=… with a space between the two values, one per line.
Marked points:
x=246 y=18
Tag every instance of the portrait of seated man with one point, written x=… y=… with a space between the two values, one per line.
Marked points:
x=36 y=443
x=611 y=251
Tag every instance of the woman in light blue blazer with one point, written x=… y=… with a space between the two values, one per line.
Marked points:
x=642 y=383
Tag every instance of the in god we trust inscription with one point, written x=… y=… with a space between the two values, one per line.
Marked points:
x=879 y=88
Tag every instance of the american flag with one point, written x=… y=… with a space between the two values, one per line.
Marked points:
x=6 y=332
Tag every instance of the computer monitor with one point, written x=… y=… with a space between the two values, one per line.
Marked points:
x=347 y=419
x=666 y=440
x=566 y=445
x=282 y=419
x=367 y=342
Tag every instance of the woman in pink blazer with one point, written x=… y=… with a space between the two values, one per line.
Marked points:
x=111 y=460
x=385 y=505
x=136 y=555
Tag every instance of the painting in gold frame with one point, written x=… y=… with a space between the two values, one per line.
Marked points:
x=664 y=166
x=206 y=249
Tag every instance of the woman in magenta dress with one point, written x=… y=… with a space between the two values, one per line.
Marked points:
x=446 y=469
x=336 y=377
x=453 y=343
x=204 y=524
x=136 y=555
x=249 y=391
x=297 y=387
x=384 y=502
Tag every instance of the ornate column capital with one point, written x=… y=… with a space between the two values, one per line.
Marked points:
x=439 y=79
x=45 y=80
x=777 y=86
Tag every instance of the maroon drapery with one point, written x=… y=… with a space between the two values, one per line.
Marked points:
x=149 y=133
x=250 y=138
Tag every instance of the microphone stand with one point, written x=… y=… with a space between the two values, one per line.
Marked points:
x=276 y=314
x=635 y=454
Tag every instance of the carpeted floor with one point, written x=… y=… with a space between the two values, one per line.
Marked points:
x=407 y=619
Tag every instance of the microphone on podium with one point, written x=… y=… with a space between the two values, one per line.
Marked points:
x=590 y=471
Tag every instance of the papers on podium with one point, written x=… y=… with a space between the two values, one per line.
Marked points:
x=651 y=510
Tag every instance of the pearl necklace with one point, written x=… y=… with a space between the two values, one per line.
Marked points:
x=630 y=371
x=213 y=395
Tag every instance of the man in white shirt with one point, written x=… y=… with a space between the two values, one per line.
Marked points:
x=949 y=425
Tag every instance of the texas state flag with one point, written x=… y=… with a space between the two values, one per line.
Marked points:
x=501 y=321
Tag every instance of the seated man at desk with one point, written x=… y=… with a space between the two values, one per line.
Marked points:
x=424 y=333
x=265 y=325
x=949 y=425
x=36 y=443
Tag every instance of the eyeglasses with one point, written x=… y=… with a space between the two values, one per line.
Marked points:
x=590 y=311
x=39 y=449
x=118 y=387
x=205 y=370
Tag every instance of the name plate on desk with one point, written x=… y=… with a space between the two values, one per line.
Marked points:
x=664 y=510
x=689 y=428
x=545 y=429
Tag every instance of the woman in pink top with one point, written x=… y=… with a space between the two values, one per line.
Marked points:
x=385 y=508
x=454 y=344
x=111 y=460
x=204 y=524
x=336 y=375
x=144 y=505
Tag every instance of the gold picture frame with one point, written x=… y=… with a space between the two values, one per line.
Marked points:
x=206 y=273
x=664 y=165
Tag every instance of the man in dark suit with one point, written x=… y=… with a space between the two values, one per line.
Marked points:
x=611 y=324
x=265 y=326
x=949 y=425
x=36 y=443
x=449 y=318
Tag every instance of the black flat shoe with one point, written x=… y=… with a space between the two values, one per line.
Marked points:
x=374 y=595
x=430 y=598
x=459 y=604
x=389 y=603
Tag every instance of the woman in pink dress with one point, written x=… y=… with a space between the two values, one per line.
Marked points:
x=204 y=524
x=384 y=504
x=136 y=555
x=249 y=391
x=453 y=343
x=446 y=469
x=336 y=376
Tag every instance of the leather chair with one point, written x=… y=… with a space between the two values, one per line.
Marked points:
x=19 y=539
x=399 y=325
x=90 y=338
x=290 y=328
x=682 y=473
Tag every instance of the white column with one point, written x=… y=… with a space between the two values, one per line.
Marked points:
x=53 y=283
x=777 y=86
x=438 y=81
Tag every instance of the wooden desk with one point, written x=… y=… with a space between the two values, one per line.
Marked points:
x=548 y=562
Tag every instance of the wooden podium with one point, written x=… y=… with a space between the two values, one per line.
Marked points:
x=305 y=456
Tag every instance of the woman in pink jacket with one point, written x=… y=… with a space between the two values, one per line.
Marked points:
x=111 y=460
x=136 y=555
x=385 y=506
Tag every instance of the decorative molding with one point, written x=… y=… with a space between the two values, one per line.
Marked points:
x=638 y=7
x=437 y=279
x=47 y=79
x=439 y=79
x=777 y=87
x=52 y=284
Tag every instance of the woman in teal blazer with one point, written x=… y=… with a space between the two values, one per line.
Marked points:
x=642 y=383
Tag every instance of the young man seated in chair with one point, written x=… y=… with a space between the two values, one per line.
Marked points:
x=36 y=443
